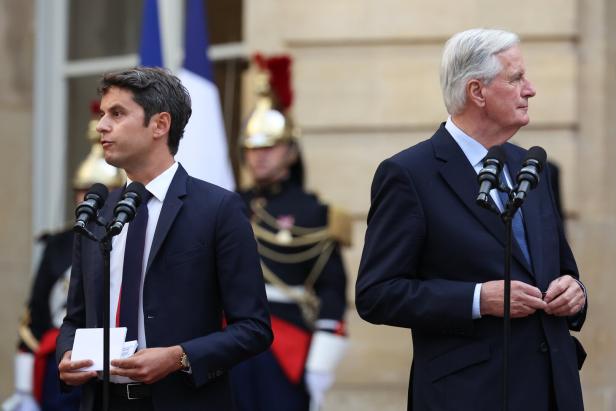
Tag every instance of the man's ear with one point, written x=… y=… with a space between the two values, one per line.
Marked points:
x=160 y=123
x=474 y=92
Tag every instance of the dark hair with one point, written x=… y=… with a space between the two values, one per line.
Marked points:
x=156 y=90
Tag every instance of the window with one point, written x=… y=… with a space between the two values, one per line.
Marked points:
x=78 y=41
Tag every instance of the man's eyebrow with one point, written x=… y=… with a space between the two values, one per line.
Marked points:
x=517 y=74
x=115 y=106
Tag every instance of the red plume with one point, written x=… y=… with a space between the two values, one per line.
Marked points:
x=260 y=61
x=279 y=68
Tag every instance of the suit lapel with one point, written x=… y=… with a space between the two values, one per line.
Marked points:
x=171 y=206
x=457 y=173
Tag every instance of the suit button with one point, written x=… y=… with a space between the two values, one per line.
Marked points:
x=543 y=347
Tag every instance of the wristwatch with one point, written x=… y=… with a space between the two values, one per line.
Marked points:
x=184 y=361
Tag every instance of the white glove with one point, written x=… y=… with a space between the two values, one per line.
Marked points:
x=326 y=351
x=22 y=399
x=317 y=384
x=20 y=402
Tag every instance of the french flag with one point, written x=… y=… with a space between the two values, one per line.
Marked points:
x=203 y=150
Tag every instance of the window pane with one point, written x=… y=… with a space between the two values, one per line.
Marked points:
x=228 y=79
x=81 y=92
x=103 y=28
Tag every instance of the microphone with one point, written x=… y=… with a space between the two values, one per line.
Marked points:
x=488 y=176
x=528 y=176
x=88 y=209
x=126 y=208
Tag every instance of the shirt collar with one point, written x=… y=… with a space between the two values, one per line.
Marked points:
x=160 y=185
x=473 y=150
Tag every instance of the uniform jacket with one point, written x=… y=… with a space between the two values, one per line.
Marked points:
x=55 y=262
x=289 y=200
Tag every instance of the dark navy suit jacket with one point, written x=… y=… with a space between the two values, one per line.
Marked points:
x=427 y=245
x=203 y=264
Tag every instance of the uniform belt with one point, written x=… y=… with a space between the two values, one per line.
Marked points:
x=278 y=295
x=130 y=391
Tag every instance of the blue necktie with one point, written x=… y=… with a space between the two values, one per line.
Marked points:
x=517 y=223
x=131 y=273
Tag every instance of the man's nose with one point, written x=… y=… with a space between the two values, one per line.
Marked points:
x=102 y=126
x=529 y=89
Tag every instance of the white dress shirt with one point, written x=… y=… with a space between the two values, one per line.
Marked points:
x=158 y=187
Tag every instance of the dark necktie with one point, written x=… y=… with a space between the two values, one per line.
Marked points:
x=517 y=223
x=128 y=309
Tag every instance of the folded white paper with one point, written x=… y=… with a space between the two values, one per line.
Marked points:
x=88 y=345
x=129 y=348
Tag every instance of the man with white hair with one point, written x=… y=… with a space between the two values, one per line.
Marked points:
x=433 y=259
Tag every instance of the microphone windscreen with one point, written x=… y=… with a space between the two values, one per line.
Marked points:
x=100 y=190
x=538 y=154
x=137 y=188
x=497 y=153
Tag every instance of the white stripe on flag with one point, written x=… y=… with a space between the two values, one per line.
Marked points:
x=203 y=149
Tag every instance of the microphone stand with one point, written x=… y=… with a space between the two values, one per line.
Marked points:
x=507 y=217
x=105 y=247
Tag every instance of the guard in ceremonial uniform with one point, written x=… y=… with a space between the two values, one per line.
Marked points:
x=36 y=371
x=299 y=241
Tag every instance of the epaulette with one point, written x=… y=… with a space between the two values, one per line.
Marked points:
x=339 y=225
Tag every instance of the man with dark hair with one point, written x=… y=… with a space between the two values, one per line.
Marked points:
x=155 y=92
x=433 y=259
x=199 y=266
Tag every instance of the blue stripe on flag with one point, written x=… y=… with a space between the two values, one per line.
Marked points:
x=150 y=49
x=197 y=41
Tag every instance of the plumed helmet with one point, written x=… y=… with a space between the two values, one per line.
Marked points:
x=270 y=121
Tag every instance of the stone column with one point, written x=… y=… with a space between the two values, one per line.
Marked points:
x=593 y=235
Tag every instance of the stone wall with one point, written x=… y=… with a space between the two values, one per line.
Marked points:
x=16 y=53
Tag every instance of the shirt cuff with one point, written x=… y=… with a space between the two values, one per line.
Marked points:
x=477 y=302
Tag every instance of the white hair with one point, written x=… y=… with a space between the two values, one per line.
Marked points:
x=471 y=54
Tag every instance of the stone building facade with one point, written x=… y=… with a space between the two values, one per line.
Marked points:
x=366 y=82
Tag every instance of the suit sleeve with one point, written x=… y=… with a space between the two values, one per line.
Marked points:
x=390 y=289
x=568 y=265
x=242 y=293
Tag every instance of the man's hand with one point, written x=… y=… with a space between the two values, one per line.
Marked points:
x=149 y=365
x=564 y=297
x=525 y=299
x=69 y=370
